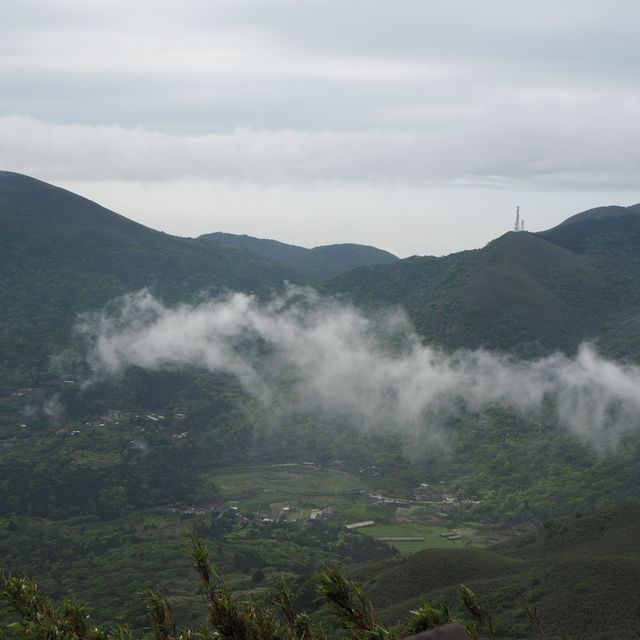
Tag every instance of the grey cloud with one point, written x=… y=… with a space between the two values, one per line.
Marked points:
x=312 y=65
x=375 y=371
x=488 y=151
x=51 y=409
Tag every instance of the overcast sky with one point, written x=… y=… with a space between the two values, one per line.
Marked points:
x=413 y=125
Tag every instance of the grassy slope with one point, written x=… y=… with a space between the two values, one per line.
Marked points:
x=316 y=263
x=581 y=573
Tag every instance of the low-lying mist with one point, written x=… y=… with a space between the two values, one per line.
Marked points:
x=373 y=370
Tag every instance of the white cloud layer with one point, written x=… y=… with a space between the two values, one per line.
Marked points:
x=528 y=96
x=567 y=154
x=376 y=372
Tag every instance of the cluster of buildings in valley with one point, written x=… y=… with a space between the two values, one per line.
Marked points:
x=325 y=512
x=170 y=426
x=37 y=413
x=280 y=512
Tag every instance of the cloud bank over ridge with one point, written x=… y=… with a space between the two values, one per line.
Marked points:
x=375 y=372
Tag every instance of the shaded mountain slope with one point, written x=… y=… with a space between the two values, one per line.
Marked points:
x=61 y=254
x=597 y=214
x=610 y=238
x=520 y=293
x=317 y=263
x=526 y=293
x=597 y=231
x=46 y=226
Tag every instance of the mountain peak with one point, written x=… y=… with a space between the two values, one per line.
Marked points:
x=320 y=262
x=601 y=213
x=578 y=232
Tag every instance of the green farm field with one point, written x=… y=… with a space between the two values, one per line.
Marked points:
x=301 y=489
x=291 y=493
x=433 y=536
x=286 y=480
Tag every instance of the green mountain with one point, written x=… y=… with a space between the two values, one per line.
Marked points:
x=316 y=263
x=524 y=292
x=61 y=254
x=581 y=572
x=601 y=215
x=527 y=293
x=609 y=237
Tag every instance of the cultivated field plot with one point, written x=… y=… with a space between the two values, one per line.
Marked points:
x=287 y=478
x=299 y=493
x=422 y=535
x=296 y=492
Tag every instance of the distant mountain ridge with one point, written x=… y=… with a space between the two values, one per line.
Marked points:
x=317 y=263
x=61 y=254
x=598 y=213
x=529 y=293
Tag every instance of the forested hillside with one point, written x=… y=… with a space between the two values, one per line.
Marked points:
x=61 y=254
x=525 y=293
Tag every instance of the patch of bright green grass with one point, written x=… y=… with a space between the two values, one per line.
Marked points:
x=433 y=538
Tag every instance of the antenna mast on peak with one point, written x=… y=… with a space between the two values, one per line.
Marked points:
x=519 y=225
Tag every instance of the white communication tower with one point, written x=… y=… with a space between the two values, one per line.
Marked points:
x=519 y=225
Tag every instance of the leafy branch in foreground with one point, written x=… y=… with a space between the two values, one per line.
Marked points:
x=534 y=619
x=245 y=620
x=299 y=623
x=232 y=618
x=347 y=601
x=164 y=623
x=482 y=616
x=428 y=617
x=40 y=620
